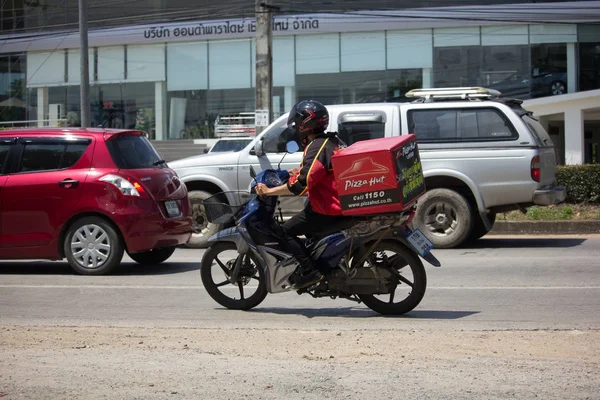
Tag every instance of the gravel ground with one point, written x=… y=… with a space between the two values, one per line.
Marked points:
x=159 y=363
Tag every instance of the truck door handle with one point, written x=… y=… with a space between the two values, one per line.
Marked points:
x=68 y=183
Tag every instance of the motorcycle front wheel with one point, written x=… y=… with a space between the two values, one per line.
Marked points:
x=410 y=274
x=215 y=271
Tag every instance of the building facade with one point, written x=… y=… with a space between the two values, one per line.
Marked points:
x=176 y=79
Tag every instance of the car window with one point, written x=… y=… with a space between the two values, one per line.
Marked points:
x=229 y=145
x=352 y=132
x=460 y=125
x=276 y=140
x=132 y=152
x=541 y=136
x=73 y=153
x=50 y=156
x=4 y=150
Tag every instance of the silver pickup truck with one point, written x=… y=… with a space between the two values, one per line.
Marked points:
x=481 y=155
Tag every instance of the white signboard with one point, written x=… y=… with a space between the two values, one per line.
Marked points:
x=262 y=118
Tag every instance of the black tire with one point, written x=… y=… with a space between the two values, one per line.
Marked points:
x=445 y=217
x=419 y=283
x=253 y=272
x=203 y=229
x=479 y=229
x=107 y=251
x=154 y=256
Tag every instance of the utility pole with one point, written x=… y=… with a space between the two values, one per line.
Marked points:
x=264 y=65
x=84 y=88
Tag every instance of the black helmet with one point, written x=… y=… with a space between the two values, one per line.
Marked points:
x=308 y=116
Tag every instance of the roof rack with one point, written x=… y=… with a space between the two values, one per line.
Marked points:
x=462 y=93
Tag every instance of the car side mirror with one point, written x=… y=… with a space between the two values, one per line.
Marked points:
x=206 y=150
x=292 y=147
x=258 y=148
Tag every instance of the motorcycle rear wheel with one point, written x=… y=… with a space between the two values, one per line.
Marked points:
x=405 y=258
x=251 y=272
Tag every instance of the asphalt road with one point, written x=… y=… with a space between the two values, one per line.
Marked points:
x=499 y=283
x=507 y=318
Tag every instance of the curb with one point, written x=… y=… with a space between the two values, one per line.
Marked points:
x=545 y=227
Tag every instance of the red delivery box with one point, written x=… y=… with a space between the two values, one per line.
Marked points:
x=379 y=175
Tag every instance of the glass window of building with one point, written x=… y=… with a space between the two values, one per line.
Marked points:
x=589 y=57
x=457 y=66
x=12 y=15
x=506 y=69
x=358 y=87
x=124 y=106
x=13 y=104
x=548 y=69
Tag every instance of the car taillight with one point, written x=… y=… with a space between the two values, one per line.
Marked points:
x=127 y=186
x=535 y=168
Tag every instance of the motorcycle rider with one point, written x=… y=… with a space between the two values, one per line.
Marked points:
x=323 y=211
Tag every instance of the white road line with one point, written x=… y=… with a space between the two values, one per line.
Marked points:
x=17 y=286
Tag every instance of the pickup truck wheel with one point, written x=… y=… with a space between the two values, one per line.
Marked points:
x=479 y=230
x=445 y=217
x=202 y=229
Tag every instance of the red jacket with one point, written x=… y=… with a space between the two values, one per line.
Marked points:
x=316 y=175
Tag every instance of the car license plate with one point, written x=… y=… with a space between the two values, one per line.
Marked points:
x=420 y=242
x=172 y=208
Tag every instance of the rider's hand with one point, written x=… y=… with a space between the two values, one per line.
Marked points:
x=293 y=171
x=262 y=189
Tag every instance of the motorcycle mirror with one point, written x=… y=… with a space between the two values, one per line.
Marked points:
x=252 y=172
x=292 y=146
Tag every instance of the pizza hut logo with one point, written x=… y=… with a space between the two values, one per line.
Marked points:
x=364 y=167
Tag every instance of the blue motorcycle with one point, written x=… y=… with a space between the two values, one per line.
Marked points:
x=371 y=259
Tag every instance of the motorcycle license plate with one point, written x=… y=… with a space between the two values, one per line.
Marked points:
x=172 y=208
x=420 y=242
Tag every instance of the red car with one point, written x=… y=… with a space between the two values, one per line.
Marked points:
x=88 y=195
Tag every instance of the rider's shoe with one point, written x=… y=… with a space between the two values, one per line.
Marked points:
x=307 y=279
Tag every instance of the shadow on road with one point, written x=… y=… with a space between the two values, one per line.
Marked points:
x=62 y=268
x=160 y=269
x=353 y=312
x=525 y=242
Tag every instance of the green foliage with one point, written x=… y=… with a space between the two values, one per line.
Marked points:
x=567 y=212
x=582 y=183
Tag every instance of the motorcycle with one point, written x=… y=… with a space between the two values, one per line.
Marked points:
x=366 y=257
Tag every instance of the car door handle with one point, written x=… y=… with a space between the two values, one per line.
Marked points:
x=68 y=183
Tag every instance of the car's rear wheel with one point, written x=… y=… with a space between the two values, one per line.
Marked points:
x=93 y=247
x=202 y=229
x=445 y=217
x=153 y=257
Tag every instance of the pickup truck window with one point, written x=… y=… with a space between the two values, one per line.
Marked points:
x=460 y=125
x=276 y=140
x=538 y=131
x=352 y=132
